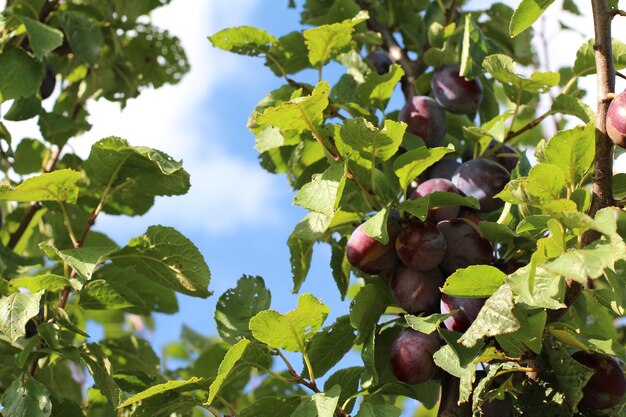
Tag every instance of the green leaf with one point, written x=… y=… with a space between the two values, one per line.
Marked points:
x=15 y=311
x=619 y=186
x=496 y=317
x=412 y=163
x=527 y=12
x=102 y=295
x=169 y=259
x=573 y=151
x=585 y=63
x=293 y=330
x=567 y=104
x=538 y=288
x=348 y=379
x=42 y=38
x=24 y=108
x=367 y=307
x=20 y=74
x=29 y=156
x=85 y=260
x=300 y=113
x=570 y=374
x=161 y=388
x=502 y=68
x=321 y=194
x=58 y=129
x=474 y=50
x=48 y=282
x=58 y=185
x=321 y=404
x=375 y=406
x=590 y=262
x=474 y=281
x=329 y=345
x=376 y=226
x=84 y=37
x=26 y=397
x=426 y=324
x=226 y=367
x=271 y=407
x=369 y=141
x=323 y=42
x=238 y=305
x=529 y=335
x=101 y=370
x=377 y=89
x=243 y=40
x=300 y=255
x=340 y=267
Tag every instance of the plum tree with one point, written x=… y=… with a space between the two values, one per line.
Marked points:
x=49 y=82
x=379 y=60
x=416 y=291
x=607 y=385
x=482 y=179
x=425 y=118
x=465 y=246
x=429 y=187
x=369 y=255
x=455 y=93
x=616 y=120
x=468 y=309
x=420 y=245
x=412 y=356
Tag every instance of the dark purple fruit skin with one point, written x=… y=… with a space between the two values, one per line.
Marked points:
x=455 y=93
x=498 y=408
x=30 y=328
x=412 y=356
x=438 y=184
x=468 y=311
x=425 y=118
x=508 y=162
x=445 y=168
x=420 y=245
x=379 y=60
x=369 y=255
x=607 y=385
x=465 y=246
x=471 y=215
x=49 y=82
x=482 y=179
x=416 y=291
x=616 y=120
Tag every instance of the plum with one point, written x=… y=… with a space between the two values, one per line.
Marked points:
x=498 y=408
x=505 y=156
x=471 y=215
x=482 y=179
x=369 y=255
x=49 y=82
x=616 y=120
x=420 y=245
x=416 y=291
x=429 y=187
x=464 y=246
x=379 y=60
x=425 y=118
x=455 y=93
x=607 y=385
x=445 y=168
x=412 y=356
x=468 y=311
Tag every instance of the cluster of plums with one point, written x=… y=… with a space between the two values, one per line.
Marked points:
x=420 y=255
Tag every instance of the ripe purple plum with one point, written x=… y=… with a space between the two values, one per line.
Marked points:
x=456 y=94
x=429 y=187
x=379 y=60
x=420 y=245
x=468 y=311
x=505 y=156
x=471 y=215
x=49 y=82
x=369 y=255
x=616 y=120
x=498 y=408
x=482 y=179
x=607 y=385
x=464 y=246
x=445 y=168
x=416 y=291
x=425 y=118
x=412 y=356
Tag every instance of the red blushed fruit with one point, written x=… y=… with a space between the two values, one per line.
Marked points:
x=369 y=255
x=416 y=291
x=464 y=246
x=607 y=385
x=456 y=94
x=468 y=311
x=412 y=356
x=438 y=184
x=425 y=118
x=616 y=120
x=482 y=179
x=420 y=245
